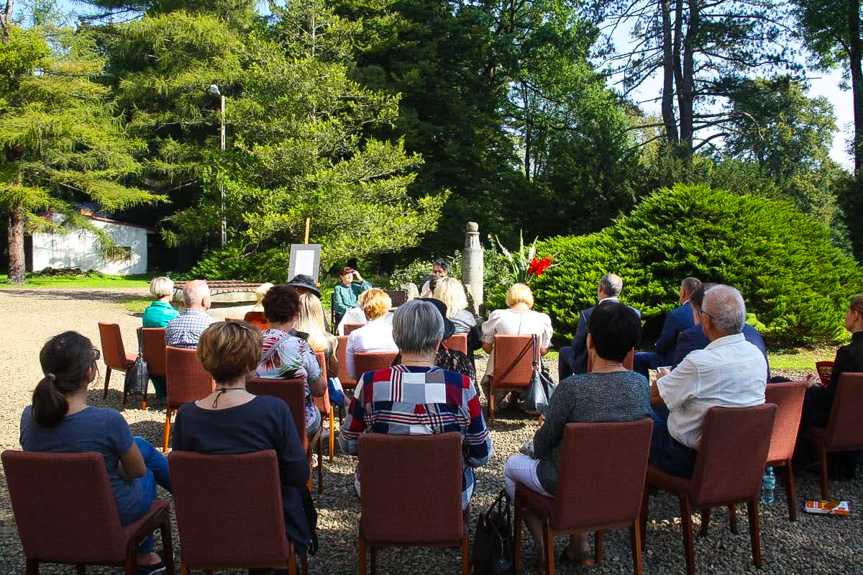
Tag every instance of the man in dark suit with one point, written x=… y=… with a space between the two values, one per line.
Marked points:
x=573 y=359
x=677 y=321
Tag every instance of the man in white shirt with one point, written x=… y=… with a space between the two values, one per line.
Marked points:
x=729 y=372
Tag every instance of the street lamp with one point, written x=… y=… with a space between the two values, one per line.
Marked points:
x=214 y=90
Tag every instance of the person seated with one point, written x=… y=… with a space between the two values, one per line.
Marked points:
x=440 y=269
x=451 y=292
x=818 y=400
x=676 y=321
x=376 y=335
x=306 y=284
x=729 y=372
x=345 y=293
x=185 y=330
x=446 y=358
x=60 y=421
x=286 y=355
x=256 y=315
x=518 y=319
x=694 y=337
x=310 y=323
x=159 y=314
x=231 y=420
x=609 y=393
x=408 y=399
x=573 y=359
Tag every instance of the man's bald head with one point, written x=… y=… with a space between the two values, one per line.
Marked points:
x=196 y=294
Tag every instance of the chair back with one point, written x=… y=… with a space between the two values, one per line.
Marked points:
x=788 y=399
x=153 y=346
x=732 y=454
x=323 y=402
x=247 y=526
x=628 y=361
x=601 y=475
x=64 y=507
x=349 y=327
x=186 y=378
x=457 y=342
x=292 y=392
x=347 y=381
x=113 y=351
x=432 y=466
x=372 y=361
x=825 y=371
x=843 y=427
x=513 y=360
x=398 y=297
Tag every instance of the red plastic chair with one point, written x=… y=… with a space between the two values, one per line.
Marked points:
x=600 y=482
x=843 y=431
x=349 y=327
x=825 y=371
x=347 y=381
x=372 y=361
x=323 y=403
x=788 y=398
x=513 y=367
x=114 y=354
x=293 y=392
x=246 y=528
x=730 y=466
x=432 y=466
x=186 y=380
x=65 y=513
x=457 y=342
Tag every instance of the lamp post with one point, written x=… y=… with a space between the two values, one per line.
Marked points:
x=214 y=90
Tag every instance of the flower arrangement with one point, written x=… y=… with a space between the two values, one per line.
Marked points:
x=524 y=264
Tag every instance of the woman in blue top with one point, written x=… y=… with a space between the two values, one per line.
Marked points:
x=158 y=314
x=60 y=421
x=345 y=294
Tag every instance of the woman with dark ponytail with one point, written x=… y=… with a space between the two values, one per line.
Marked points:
x=60 y=421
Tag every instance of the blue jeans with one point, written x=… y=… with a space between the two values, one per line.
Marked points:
x=668 y=454
x=157 y=473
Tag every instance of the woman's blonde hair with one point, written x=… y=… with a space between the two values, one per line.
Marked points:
x=310 y=320
x=260 y=293
x=519 y=293
x=229 y=350
x=376 y=303
x=162 y=286
x=451 y=292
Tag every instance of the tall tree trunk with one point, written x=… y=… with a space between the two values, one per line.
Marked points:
x=528 y=131
x=16 y=244
x=668 y=118
x=856 y=79
x=686 y=90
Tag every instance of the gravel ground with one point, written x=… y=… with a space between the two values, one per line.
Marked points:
x=813 y=545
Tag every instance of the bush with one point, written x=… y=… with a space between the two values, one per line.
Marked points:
x=790 y=274
x=234 y=263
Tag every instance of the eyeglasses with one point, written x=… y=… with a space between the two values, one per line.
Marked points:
x=702 y=312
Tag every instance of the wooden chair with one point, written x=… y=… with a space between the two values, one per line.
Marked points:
x=347 y=381
x=323 y=403
x=628 y=361
x=432 y=466
x=825 y=371
x=397 y=297
x=244 y=530
x=457 y=342
x=349 y=327
x=600 y=482
x=731 y=459
x=153 y=349
x=186 y=380
x=114 y=354
x=843 y=431
x=293 y=392
x=65 y=513
x=372 y=361
x=513 y=367
x=788 y=399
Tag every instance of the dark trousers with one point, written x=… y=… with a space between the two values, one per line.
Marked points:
x=645 y=360
x=668 y=454
x=566 y=359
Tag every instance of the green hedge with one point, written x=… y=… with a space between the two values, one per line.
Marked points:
x=791 y=276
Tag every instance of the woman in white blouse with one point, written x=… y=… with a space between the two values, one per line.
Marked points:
x=518 y=319
x=376 y=335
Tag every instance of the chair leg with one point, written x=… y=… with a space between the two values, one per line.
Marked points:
x=80 y=570
x=825 y=490
x=705 y=522
x=132 y=562
x=465 y=555
x=305 y=564
x=32 y=567
x=374 y=554
x=332 y=431
x=167 y=543
x=124 y=394
x=167 y=430
x=107 y=379
x=184 y=569
x=732 y=517
x=516 y=532
x=645 y=504
x=548 y=543
x=635 y=543
x=754 y=531
x=320 y=464
x=597 y=543
x=361 y=551
x=788 y=472
x=686 y=528
x=490 y=405
x=292 y=562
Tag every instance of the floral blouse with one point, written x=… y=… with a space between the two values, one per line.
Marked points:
x=286 y=356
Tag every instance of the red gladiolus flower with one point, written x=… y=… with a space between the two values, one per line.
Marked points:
x=538 y=267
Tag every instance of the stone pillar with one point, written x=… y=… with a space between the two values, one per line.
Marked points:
x=472 y=266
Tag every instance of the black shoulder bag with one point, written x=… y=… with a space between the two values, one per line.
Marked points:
x=492 y=542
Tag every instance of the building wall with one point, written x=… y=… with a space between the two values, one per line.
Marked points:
x=81 y=249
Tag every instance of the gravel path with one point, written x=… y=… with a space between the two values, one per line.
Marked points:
x=813 y=545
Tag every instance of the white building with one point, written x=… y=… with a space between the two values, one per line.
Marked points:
x=81 y=248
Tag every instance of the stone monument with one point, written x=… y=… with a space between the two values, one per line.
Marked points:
x=472 y=267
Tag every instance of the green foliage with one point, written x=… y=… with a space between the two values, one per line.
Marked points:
x=791 y=276
x=233 y=262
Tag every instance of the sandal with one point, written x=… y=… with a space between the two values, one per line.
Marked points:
x=583 y=558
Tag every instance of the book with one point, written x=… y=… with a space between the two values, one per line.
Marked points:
x=822 y=507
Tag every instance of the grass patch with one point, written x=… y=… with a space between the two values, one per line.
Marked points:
x=802 y=359
x=92 y=280
x=136 y=305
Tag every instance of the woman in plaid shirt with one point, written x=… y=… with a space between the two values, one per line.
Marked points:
x=418 y=398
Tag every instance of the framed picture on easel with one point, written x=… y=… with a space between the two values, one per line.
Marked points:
x=306 y=260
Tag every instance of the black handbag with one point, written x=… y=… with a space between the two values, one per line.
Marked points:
x=492 y=541
x=138 y=376
x=539 y=394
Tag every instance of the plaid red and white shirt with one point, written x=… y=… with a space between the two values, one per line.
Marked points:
x=408 y=400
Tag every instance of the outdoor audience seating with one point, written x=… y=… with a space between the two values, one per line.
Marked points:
x=729 y=469
x=186 y=380
x=457 y=342
x=586 y=500
x=843 y=431
x=350 y=327
x=114 y=353
x=372 y=361
x=347 y=381
x=153 y=349
x=324 y=406
x=788 y=399
x=229 y=512
x=65 y=513
x=397 y=297
x=293 y=392
x=513 y=367
x=432 y=466
x=628 y=361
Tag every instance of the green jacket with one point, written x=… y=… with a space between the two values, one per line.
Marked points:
x=158 y=314
x=345 y=297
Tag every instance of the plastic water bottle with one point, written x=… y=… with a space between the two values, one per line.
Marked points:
x=768 y=486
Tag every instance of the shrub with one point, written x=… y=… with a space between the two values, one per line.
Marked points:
x=790 y=274
x=235 y=263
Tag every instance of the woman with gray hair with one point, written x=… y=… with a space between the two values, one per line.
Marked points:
x=158 y=314
x=399 y=406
